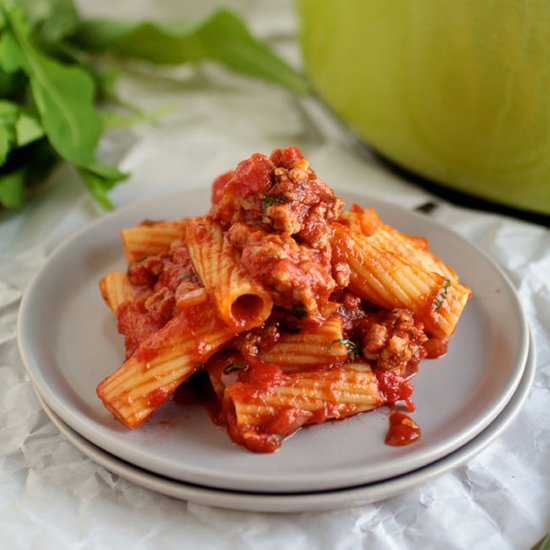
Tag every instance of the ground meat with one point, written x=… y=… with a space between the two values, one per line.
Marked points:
x=341 y=273
x=255 y=341
x=393 y=339
x=239 y=193
x=277 y=214
x=143 y=317
x=146 y=271
x=177 y=269
x=282 y=193
x=306 y=206
x=157 y=281
x=298 y=276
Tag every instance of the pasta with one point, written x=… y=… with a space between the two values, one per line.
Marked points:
x=242 y=302
x=261 y=416
x=293 y=311
x=150 y=238
x=414 y=249
x=162 y=362
x=116 y=289
x=309 y=347
x=389 y=280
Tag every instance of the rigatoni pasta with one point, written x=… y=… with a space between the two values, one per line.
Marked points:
x=261 y=416
x=150 y=238
x=116 y=289
x=365 y=221
x=390 y=280
x=161 y=363
x=317 y=345
x=242 y=302
x=293 y=311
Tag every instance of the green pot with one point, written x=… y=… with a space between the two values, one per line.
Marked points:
x=456 y=91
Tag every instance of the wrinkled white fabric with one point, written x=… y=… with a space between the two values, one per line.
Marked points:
x=52 y=496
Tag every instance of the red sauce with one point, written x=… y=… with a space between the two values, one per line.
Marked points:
x=158 y=397
x=436 y=347
x=218 y=186
x=261 y=375
x=278 y=215
x=155 y=280
x=138 y=325
x=287 y=157
x=403 y=430
x=395 y=388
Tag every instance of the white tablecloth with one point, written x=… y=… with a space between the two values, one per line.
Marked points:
x=52 y=496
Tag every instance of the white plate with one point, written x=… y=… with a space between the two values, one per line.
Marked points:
x=305 y=502
x=69 y=343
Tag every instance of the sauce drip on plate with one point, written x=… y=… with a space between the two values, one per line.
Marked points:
x=403 y=430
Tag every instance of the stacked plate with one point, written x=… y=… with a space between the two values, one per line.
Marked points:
x=69 y=343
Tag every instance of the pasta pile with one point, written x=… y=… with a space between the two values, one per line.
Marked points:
x=295 y=311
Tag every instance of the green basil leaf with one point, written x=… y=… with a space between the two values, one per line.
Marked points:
x=64 y=96
x=113 y=119
x=51 y=20
x=442 y=295
x=233 y=367
x=5 y=142
x=227 y=40
x=22 y=127
x=43 y=156
x=106 y=80
x=9 y=111
x=100 y=179
x=12 y=189
x=543 y=544
x=27 y=129
x=221 y=37
x=269 y=200
x=11 y=59
x=350 y=345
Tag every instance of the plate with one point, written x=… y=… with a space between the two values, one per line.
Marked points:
x=68 y=341
x=306 y=502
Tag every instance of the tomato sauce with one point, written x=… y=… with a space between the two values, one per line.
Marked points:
x=157 y=281
x=402 y=431
x=395 y=388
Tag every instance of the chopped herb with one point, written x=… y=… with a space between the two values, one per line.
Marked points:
x=350 y=346
x=442 y=295
x=199 y=366
x=141 y=258
x=268 y=200
x=233 y=367
x=299 y=311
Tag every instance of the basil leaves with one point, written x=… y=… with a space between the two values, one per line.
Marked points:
x=54 y=73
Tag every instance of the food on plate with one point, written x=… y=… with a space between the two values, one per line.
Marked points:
x=293 y=310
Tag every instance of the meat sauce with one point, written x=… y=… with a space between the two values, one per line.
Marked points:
x=278 y=217
x=157 y=280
